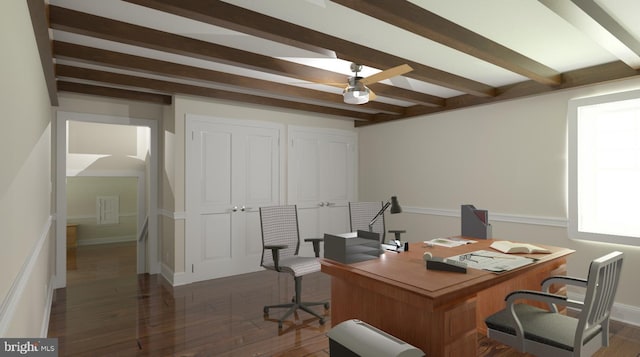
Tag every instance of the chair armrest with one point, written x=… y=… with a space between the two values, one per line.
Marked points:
x=551 y=299
x=275 y=253
x=546 y=283
x=316 y=245
x=543 y=297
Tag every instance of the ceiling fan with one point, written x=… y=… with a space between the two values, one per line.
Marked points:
x=357 y=92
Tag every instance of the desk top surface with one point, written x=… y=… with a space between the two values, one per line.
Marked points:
x=407 y=270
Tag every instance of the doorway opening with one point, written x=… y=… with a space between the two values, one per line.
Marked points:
x=103 y=216
x=106 y=196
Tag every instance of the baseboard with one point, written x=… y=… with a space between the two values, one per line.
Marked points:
x=14 y=295
x=619 y=312
x=626 y=313
x=175 y=279
x=44 y=330
x=106 y=240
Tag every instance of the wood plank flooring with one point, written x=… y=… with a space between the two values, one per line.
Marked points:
x=108 y=310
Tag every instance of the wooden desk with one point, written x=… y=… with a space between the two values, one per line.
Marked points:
x=438 y=312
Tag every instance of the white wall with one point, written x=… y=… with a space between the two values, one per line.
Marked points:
x=82 y=194
x=27 y=254
x=99 y=148
x=172 y=150
x=175 y=137
x=81 y=103
x=509 y=158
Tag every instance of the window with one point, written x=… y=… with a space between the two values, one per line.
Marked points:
x=604 y=168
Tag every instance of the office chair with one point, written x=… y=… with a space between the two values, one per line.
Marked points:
x=280 y=245
x=361 y=213
x=548 y=333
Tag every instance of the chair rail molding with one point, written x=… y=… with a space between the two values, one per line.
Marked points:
x=495 y=217
x=14 y=295
x=173 y=215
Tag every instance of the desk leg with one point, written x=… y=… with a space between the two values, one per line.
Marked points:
x=458 y=331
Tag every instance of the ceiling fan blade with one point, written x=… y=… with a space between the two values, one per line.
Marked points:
x=386 y=74
x=336 y=84
x=372 y=96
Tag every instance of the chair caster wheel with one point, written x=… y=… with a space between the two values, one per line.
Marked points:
x=265 y=310
x=321 y=321
x=279 y=325
x=326 y=305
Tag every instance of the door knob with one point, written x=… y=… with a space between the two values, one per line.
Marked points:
x=235 y=209
x=321 y=204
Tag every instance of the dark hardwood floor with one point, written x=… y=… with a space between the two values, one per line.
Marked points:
x=108 y=310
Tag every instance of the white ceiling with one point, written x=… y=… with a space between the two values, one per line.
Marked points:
x=525 y=26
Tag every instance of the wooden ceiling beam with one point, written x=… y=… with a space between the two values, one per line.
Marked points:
x=40 y=24
x=251 y=90
x=100 y=27
x=420 y=21
x=577 y=78
x=172 y=87
x=229 y=16
x=239 y=19
x=83 y=88
x=125 y=61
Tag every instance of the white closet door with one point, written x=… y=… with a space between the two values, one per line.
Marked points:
x=322 y=179
x=232 y=170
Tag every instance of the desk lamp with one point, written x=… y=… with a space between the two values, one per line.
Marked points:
x=395 y=208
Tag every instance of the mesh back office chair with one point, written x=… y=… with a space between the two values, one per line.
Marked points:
x=280 y=243
x=361 y=213
x=549 y=333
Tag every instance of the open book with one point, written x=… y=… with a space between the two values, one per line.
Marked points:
x=510 y=247
x=448 y=242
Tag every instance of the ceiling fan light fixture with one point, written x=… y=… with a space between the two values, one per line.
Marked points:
x=356 y=92
x=354 y=96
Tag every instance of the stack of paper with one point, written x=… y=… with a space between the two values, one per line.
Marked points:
x=492 y=261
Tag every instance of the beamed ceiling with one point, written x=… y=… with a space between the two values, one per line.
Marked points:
x=288 y=53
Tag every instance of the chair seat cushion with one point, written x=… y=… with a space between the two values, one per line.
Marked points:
x=539 y=325
x=298 y=266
